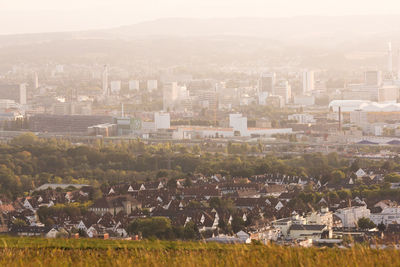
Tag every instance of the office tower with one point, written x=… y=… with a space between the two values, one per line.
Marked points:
x=388 y=93
x=105 y=81
x=308 y=81
x=284 y=90
x=398 y=64
x=16 y=92
x=134 y=85
x=267 y=82
x=35 y=81
x=373 y=78
x=152 y=85
x=170 y=95
x=22 y=94
x=115 y=86
x=390 y=58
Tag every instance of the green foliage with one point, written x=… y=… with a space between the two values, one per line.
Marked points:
x=154 y=227
x=59 y=210
x=25 y=139
x=392 y=178
x=19 y=222
x=221 y=204
x=238 y=223
x=365 y=223
x=191 y=232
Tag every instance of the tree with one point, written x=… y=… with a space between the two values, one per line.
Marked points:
x=158 y=227
x=191 y=231
x=392 y=178
x=49 y=222
x=337 y=176
x=381 y=227
x=365 y=223
x=237 y=223
x=171 y=184
x=19 y=222
x=25 y=139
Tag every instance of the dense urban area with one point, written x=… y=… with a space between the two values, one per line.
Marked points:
x=221 y=138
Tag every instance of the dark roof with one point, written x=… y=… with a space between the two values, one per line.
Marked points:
x=394 y=142
x=113 y=202
x=366 y=142
x=308 y=227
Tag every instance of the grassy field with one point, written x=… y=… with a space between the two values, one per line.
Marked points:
x=90 y=252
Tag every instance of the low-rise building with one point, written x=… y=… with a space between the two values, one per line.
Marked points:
x=351 y=215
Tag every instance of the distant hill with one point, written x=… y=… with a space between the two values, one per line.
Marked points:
x=313 y=41
x=305 y=29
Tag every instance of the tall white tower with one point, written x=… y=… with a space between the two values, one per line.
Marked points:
x=35 y=81
x=105 y=81
x=308 y=81
x=398 y=64
x=390 y=58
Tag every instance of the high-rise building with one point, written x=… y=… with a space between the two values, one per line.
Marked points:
x=22 y=94
x=59 y=68
x=267 y=82
x=390 y=58
x=35 y=81
x=308 y=81
x=152 y=85
x=398 y=64
x=373 y=77
x=388 y=93
x=115 y=86
x=284 y=90
x=16 y=92
x=106 y=90
x=134 y=85
x=170 y=95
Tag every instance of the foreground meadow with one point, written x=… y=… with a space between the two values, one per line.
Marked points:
x=89 y=252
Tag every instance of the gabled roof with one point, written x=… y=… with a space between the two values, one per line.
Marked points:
x=113 y=202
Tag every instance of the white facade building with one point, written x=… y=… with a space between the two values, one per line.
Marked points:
x=359 y=117
x=262 y=98
x=170 y=95
x=373 y=77
x=351 y=215
x=105 y=80
x=134 y=85
x=389 y=215
x=302 y=118
x=308 y=81
x=238 y=123
x=304 y=100
x=388 y=93
x=22 y=94
x=115 y=86
x=284 y=90
x=152 y=85
x=162 y=120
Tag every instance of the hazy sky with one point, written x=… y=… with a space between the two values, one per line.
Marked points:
x=21 y=16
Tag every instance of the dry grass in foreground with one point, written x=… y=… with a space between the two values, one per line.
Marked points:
x=85 y=252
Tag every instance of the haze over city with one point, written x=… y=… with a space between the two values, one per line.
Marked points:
x=198 y=133
x=25 y=16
